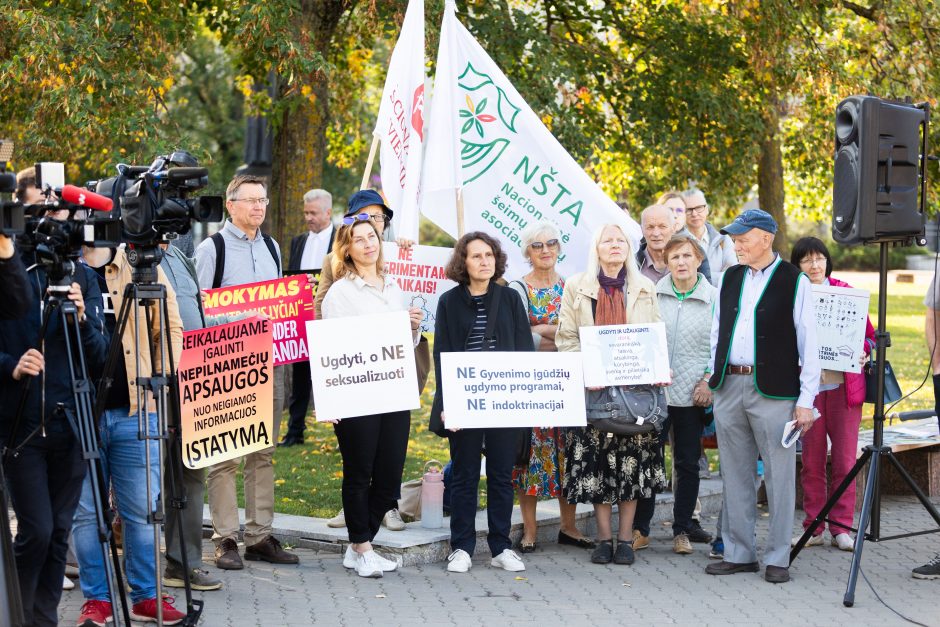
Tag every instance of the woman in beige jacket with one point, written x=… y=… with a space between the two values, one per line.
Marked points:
x=602 y=468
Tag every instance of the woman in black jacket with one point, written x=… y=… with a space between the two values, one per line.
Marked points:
x=479 y=315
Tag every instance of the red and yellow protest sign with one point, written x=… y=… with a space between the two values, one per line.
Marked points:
x=287 y=302
x=419 y=272
x=226 y=391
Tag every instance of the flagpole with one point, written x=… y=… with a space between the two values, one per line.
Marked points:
x=368 y=170
x=460 y=222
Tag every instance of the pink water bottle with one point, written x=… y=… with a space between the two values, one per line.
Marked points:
x=432 y=495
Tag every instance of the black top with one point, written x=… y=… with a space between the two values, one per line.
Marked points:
x=458 y=314
x=297 y=250
x=19 y=335
x=478 y=330
x=776 y=354
x=14 y=292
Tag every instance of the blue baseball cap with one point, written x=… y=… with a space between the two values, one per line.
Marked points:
x=365 y=198
x=751 y=219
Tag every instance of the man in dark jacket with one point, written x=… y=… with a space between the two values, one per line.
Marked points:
x=14 y=296
x=44 y=465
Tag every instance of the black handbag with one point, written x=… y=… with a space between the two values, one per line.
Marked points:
x=626 y=409
x=892 y=388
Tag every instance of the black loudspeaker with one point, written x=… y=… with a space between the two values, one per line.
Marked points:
x=879 y=170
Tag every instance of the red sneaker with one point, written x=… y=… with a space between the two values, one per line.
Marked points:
x=146 y=611
x=95 y=614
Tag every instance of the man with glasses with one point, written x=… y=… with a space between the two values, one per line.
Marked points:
x=719 y=249
x=241 y=253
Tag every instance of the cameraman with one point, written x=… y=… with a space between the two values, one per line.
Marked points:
x=123 y=455
x=43 y=460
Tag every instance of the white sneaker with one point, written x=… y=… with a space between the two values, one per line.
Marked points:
x=392 y=520
x=67 y=584
x=844 y=541
x=338 y=521
x=508 y=560
x=813 y=541
x=367 y=565
x=349 y=560
x=459 y=562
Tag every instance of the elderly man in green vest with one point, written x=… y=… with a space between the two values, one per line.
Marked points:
x=764 y=372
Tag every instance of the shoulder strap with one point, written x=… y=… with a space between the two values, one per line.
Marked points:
x=219 y=260
x=489 y=334
x=524 y=289
x=273 y=250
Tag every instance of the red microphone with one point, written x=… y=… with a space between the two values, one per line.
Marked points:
x=83 y=197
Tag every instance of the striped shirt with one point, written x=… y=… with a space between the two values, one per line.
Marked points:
x=478 y=330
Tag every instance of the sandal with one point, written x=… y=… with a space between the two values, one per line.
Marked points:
x=527 y=547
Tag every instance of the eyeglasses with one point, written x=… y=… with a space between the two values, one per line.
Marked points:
x=379 y=218
x=253 y=201
x=552 y=243
x=813 y=261
x=699 y=209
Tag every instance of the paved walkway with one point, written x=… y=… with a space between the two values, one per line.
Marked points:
x=561 y=586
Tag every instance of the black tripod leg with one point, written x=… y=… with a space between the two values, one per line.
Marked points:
x=836 y=495
x=925 y=501
x=864 y=518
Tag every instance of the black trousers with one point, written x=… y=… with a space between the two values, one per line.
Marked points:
x=686 y=426
x=299 y=400
x=466 y=446
x=373 y=449
x=45 y=483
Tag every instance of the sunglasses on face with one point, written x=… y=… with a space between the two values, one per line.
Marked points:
x=552 y=244
x=379 y=218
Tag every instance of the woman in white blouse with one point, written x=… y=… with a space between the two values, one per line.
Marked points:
x=374 y=446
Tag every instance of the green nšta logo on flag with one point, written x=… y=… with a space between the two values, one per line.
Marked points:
x=476 y=154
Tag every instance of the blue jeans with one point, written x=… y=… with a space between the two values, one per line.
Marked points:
x=124 y=467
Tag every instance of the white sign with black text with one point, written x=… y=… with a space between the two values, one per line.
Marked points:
x=625 y=354
x=509 y=389
x=841 y=320
x=362 y=365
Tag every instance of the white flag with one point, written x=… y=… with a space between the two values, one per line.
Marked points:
x=400 y=125
x=484 y=140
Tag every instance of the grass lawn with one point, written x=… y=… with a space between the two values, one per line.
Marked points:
x=309 y=477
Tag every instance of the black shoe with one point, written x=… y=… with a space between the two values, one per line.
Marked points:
x=527 y=547
x=584 y=543
x=697 y=534
x=604 y=553
x=290 y=441
x=731 y=568
x=624 y=554
x=777 y=574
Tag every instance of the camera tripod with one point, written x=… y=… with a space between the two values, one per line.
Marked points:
x=145 y=292
x=874 y=455
x=83 y=424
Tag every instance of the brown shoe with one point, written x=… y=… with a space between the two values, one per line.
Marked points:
x=227 y=557
x=777 y=574
x=681 y=545
x=730 y=568
x=640 y=541
x=269 y=550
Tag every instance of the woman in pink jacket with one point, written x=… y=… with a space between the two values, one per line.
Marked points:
x=839 y=402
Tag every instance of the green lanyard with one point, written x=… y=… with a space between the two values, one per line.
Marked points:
x=683 y=295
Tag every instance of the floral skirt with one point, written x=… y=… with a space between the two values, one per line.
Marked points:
x=543 y=474
x=602 y=469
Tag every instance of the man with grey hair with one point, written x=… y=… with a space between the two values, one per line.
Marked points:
x=719 y=249
x=307 y=252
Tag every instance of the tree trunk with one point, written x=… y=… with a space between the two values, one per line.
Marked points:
x=299 y=146
x=770 y=176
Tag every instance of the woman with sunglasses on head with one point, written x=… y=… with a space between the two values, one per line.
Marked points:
x=373 y=447
x=539 y=473
x=839 y=403
x=478 y=315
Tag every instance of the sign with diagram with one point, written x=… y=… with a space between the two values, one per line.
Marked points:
x=841 y=320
